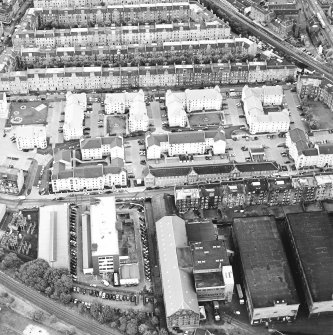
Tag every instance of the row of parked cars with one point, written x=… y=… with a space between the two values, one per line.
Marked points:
x=145 y=249
x=110 y=296
x=72 y=241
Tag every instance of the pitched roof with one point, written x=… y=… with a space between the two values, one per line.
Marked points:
x=187 y=137
x=91 y=143
x=325 y=149
x=297 y=135
x=178 y=290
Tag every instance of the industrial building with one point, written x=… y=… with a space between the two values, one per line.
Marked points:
x=267 y=280
x=53 y=241
x=310 y=236
x=105 y=252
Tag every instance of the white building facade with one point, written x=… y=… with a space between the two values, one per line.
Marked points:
x=30 y=137
x=259 y=120
x=4 y=106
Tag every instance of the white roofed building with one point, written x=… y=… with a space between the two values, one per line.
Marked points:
x=76 y=104
x=176 y=114
x=262 y=120
x=138 y=119
x=115 y=103
x=180 y=298
x=53 y=242
x=208 y=99
x=104 y=236
x=30 y=137
x=97 y=148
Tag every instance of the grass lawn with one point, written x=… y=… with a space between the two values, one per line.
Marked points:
x=116 y=125
x=322 y=114
x=25 y=113
x=204 y=119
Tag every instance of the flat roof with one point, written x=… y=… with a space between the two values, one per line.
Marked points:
x=264 y=261
x=200 y=231
x=208 y=279
x=104 y=235
x=313 y=237
x=209 y=255
x=53 y=241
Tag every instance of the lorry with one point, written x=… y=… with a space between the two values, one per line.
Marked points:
x=216 y=306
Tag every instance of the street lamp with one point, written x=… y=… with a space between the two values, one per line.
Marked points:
x=272 y=330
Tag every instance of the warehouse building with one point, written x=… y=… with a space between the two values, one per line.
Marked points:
x=269 y=287
x=310 y=236
x=53 y=241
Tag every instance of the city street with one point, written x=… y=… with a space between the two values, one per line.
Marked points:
x=292 y=102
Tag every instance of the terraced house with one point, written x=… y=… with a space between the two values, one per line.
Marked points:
x=71 y=78
x=114 y=14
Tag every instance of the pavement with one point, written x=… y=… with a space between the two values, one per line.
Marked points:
x=53 y=122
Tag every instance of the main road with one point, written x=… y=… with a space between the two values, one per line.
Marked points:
x=83 y=323
x=264 y=34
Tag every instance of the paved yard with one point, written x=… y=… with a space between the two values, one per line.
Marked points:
x=322 y=114
x=132 y=158
x=92 y=121
x=232 y=113
x=53 y=122
x=115 y=124
x=291 y=99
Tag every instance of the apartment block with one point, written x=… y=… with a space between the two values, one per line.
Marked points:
x=194 y=100
x=4 y=106
x=97 y=148
x=310 y=236
x=261 y=14
x=180 y=175
x=76 y=104
x=260 y=115
x=115 y=14
x=30 y=137
x=306 y=154
x=71 y=174
x=49 y=4
x=138 y=119
x=270 y=291
x=120 y=35
x=185 y=143
x=58 y=79
x=213 y=276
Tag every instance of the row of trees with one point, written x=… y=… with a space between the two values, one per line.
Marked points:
x=130 y=322
x=134 y=60
x=55 y=283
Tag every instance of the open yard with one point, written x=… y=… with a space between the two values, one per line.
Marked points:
x=204 y=119
x=322 y=114
x=19 y=233
x=27 y=113
x=116 y=125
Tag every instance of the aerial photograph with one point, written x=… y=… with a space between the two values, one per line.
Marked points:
x=166 y=167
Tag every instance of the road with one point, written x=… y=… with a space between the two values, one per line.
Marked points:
x=264 y=34
x=87 y=325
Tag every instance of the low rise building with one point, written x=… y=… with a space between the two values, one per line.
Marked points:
x=310 y=236
x=194 y=100
x=270 y=292
x=53 y=241
x=180 y=299
x=4 y=106
x=30 y=137
x=138 y=119
x=176 y=114
x=76 y=104
x=71 y=174
x=260 y=117
x=185 y=143
x=11 y=180
x=305 y=154
x=180 y=175
x=213 y=276
x=129 y=274
x=97 y=148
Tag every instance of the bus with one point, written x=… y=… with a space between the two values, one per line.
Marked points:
x=116 y=279
x=240 y=294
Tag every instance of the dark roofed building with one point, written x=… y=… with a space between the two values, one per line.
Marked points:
x=212 y=271
x=268 y=283
x=310 y=236
x=200 y=231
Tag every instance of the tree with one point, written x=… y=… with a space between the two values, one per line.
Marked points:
x=163 y=331
x=132 y=327
x=122 y=323
x=154 y=321
x=95 y=309
x=142 y=328
x=2 y=254
x=38 y=316
x=11 y=261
